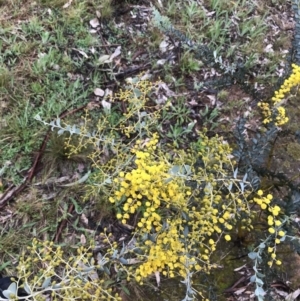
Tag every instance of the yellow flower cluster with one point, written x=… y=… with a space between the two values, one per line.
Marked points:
x=163 y=204
x=147 y=188
x=151 y=190
x=136 y=96
x=266 y=111
x=274 y=222
x=177 y=226
x=263 y=202
x=288 y=84
x=214 y=153
x=171 y=256
x=278 y=109
x=208 y=220
x=67 y=277
x=165 y=255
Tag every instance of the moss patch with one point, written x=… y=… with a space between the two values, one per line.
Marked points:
x=293 y=149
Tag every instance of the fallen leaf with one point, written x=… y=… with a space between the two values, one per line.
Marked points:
x=293 y=296
x=210 y=14
x=169 y=92
x=193 y=102
x=81 y=52
x=68 y=4
x=82 y=239
x=160 y=99
x=104 y=59
x=268 y=48
x=99 y=92
x=161 y=62
x=106 y=105
x=92 y=105
x=56 y=67
x=84 y=219
x=81 y=180
x=240 y=268
x=212 y=99
x=94 y=22
x=157 y=276
x=133 y=261
x=163 y=46
x=146 y=76
x=116 y=53
x=240 y=290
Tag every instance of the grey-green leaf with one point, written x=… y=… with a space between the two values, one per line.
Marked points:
x=252 y=255
x=46 y=282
